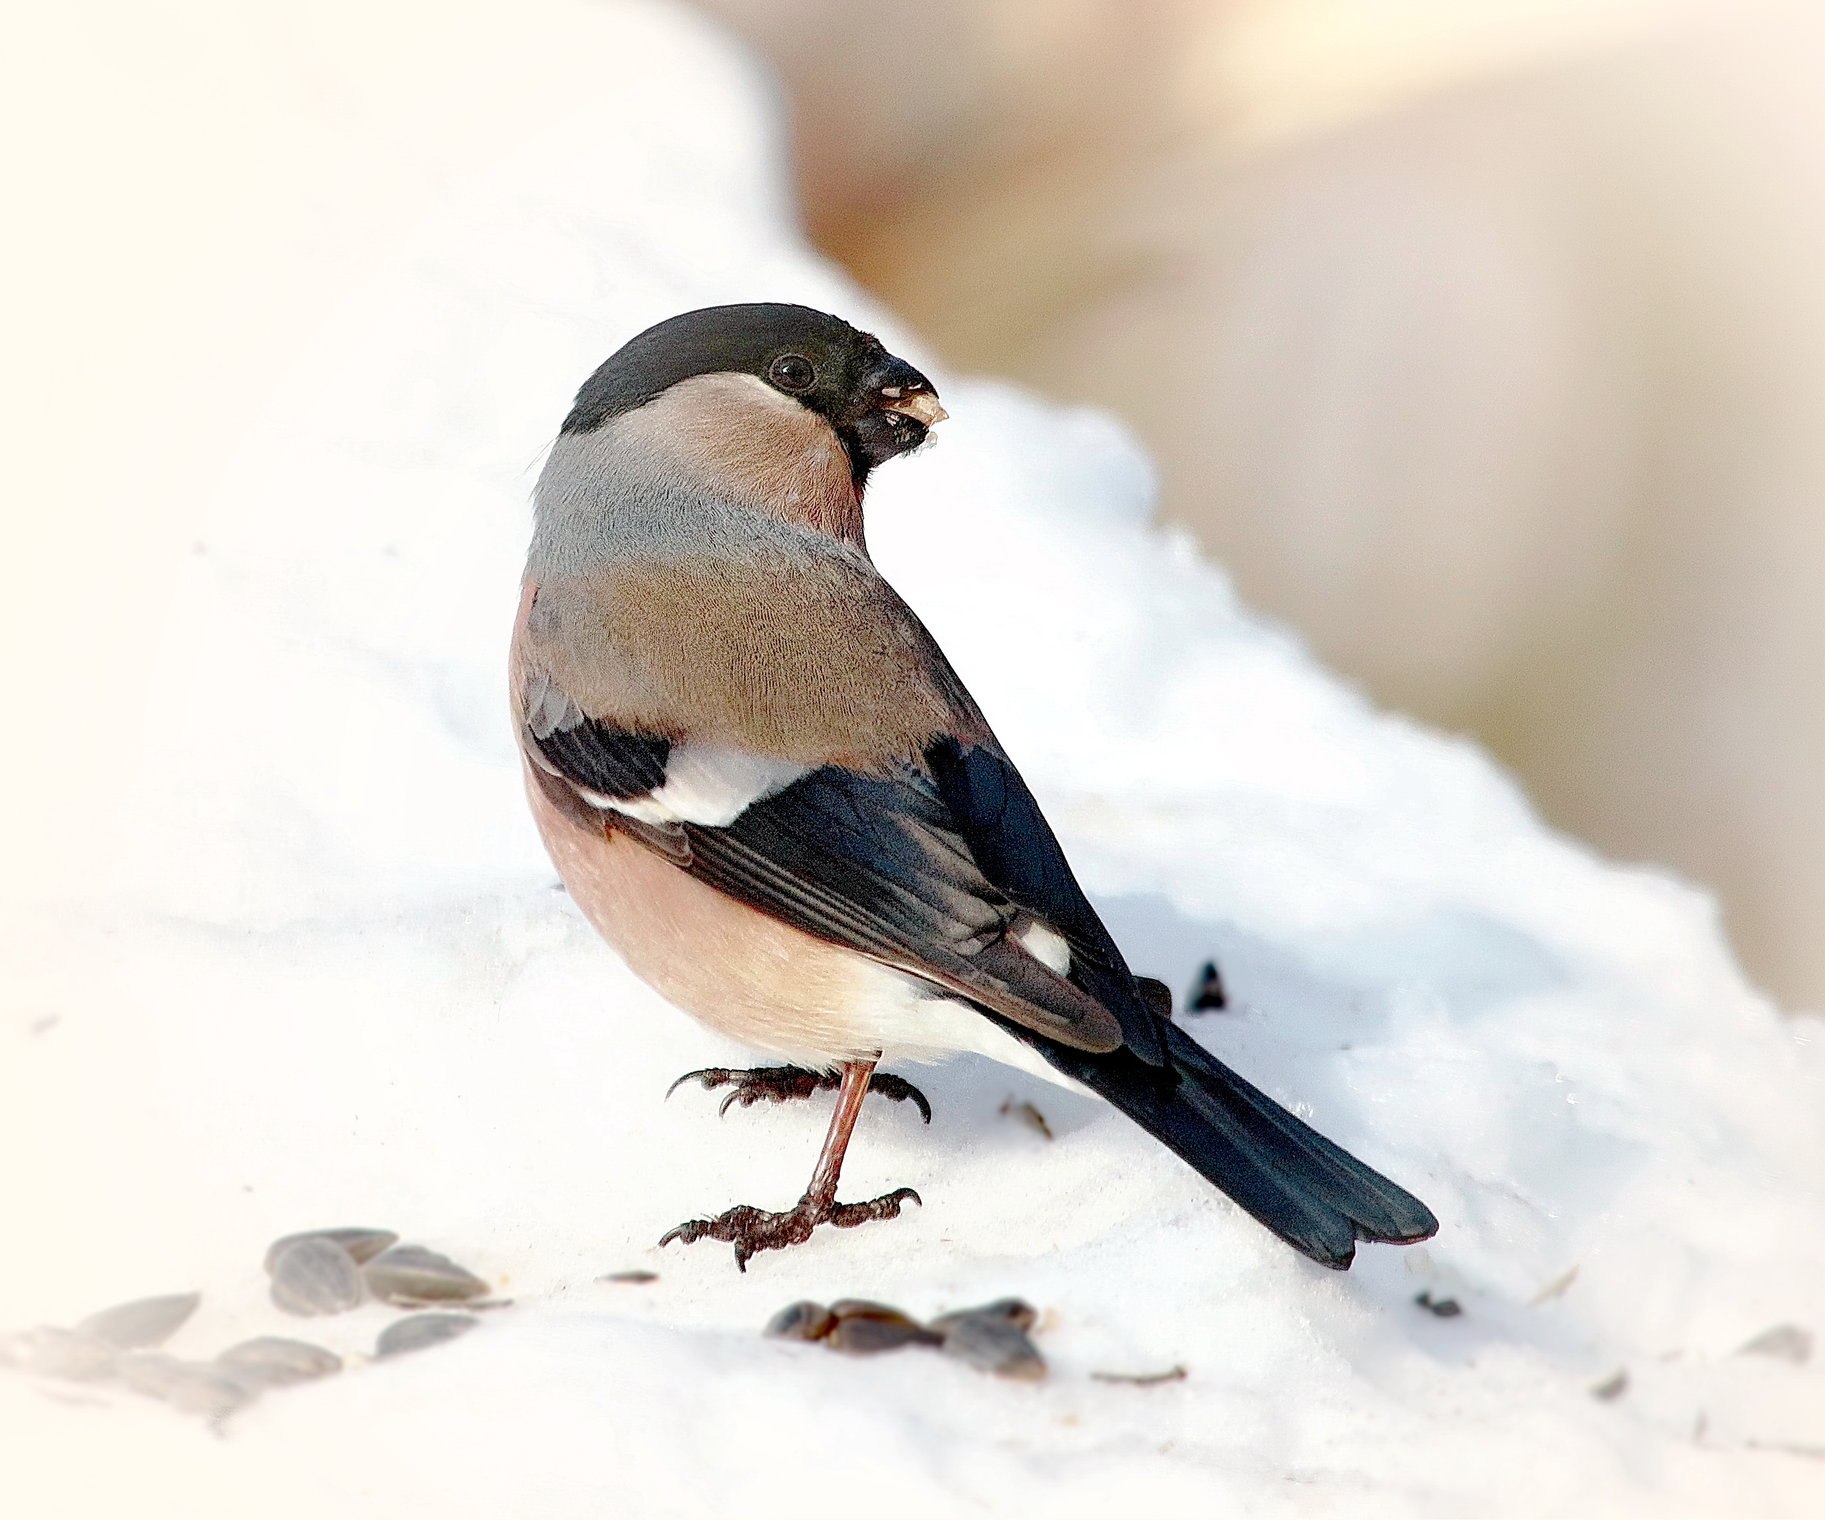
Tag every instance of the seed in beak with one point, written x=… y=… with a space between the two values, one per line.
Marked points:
x=922 y=406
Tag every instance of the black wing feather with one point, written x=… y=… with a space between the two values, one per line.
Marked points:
x=1000 y=820
x=878 y=863
x=607 y=760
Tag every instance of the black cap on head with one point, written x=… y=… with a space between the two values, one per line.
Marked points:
x=818 y=360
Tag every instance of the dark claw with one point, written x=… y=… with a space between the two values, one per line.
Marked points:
x=769 y=1084
x=785 y=1084
x=846 y=1216
x=709 y=1076
x=901 y=1091
x=751 y=1230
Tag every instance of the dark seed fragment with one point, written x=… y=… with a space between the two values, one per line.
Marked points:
x=1207 y=995
x=315 y=1276
x=1027 y=1115
x=417 y=1331
x=802 y=1321
x=637 y=1275
x=141 y=1323
x=414 y=1275
x=1444 y=1308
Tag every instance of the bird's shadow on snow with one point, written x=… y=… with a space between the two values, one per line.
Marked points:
x=1337 y=987
x=1288 y=1012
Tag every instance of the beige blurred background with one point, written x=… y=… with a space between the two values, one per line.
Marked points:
x=1483 y=342
x=192 y=190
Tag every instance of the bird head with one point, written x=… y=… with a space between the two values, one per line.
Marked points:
x=878 y=405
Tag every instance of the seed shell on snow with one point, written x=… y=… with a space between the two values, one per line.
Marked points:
x=143 y=1322
x=414 y=1275
x=314 y=1276
x=1786 y=1343
x=51 y=1351
x=1017 y=1310
x=1174 y=1374
x=360 y=1242
x=863 y=1327
x=204 y=1388
x=802 y=1321
x=994 y=1343
x=277 y=1360
x=417 y=1331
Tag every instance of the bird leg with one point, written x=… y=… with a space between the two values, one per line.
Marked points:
x=751 y=1230
x=783 y=1084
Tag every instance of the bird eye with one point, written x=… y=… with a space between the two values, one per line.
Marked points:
x=791 y=372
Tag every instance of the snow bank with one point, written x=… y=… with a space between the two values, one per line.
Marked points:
x=330 y=981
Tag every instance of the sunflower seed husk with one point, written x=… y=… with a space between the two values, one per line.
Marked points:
x=51 y=1351
x=279 y=1361
x=1557 y=1288
x=802 y=1321
x=193 y=1387
x=1028 y=1115
x=417 y=1331
x=863 y=1328
x=315 y=1276
x=414 y=1275
x=361 y=1243
x=994 y=1343
x=1786 y=1343
x=143 y=1322
x=1177 y=1373
x=1612 y=1387
x=1016 y=1310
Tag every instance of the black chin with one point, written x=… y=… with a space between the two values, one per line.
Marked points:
x=878 y=436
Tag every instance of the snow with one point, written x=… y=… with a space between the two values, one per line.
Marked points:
x=328 y=980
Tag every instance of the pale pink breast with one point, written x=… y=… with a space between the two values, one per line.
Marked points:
x=745 y=975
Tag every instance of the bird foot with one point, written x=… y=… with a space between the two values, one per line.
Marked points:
x=784 y=1084
x=751 y=1230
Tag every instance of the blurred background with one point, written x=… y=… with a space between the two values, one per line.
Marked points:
x=1483 y=343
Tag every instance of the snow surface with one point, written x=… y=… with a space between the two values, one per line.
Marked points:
x=330 y=981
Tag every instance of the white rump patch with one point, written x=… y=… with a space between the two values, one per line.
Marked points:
x=706 y=784
x=1045 y=944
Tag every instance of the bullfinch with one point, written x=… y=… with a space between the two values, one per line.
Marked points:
x=765 y=786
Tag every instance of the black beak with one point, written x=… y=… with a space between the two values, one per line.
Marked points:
x=895 y=386
x=891 y=411
x=911 y=395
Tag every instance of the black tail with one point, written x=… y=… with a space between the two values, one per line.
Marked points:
x=1314 y=1195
